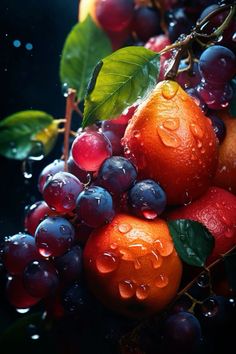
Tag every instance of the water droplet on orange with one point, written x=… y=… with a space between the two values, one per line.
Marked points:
x=126 y=289
x=169 y=89
x=171 y=124
x=137 y=264
x=113 y=246
x=161 y=281
x=107 y=262
x=124 y=228
x=199 y=144
x=203 y=151
x=168 y=138
x=149 y=214
x=142 y=292
x=164 y=247
x=196 y=131
x=136 y=134
x=156 y=259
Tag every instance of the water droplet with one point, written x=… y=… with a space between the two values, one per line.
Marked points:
x=69 y=201
x=171 y=124
x=107 y=262
x=156 y=260
x=65 y=89
x=164 y=247
x=126 y=289
x=22 y=311
x=203 y=280
x=137 y=264
x=113 y=246
x=203 y=151
x=142 y=292
x=210 y=308
x=44 y=250
x=169 y=89
x=33 y=332
x=161 y=281
x=65 y=230
x=27 y=169
x=124 y=228
x=136 y=134
x=196 y=131
x=168 y=138
x=29 y=46
x=149 y=214
x=127 y=151
x=16 y=43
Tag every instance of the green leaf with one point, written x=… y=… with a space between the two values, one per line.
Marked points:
x=85 y=45
x=121 y=79
x=232 y=107
x=230 y=266
x=18 y=133
x=192 y=240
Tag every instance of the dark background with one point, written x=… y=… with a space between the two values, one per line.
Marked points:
x=29 y=79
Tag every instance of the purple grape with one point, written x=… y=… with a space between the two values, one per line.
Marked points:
x=147 y=199
x=82 y=175
x=40 y=278
x=95 y=206
x=215 y=97
x=218 y=126
x=117 y=174
x=48 y=171
x=182 y=332
x=217 y=65
x=193 y=92
x=61 y=191
x=54 y=236
x=18 y=251
x=69 y=265
x=35 y=214
x=146 y=22
x=188 y=79
x=178 y=23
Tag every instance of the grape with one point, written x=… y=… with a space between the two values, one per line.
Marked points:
x=90 y=149
x=215 y=21
x=218 y=126
x=117 y=174
x=147 y=199
x=17 y=295
x=69 y=265
x=61 y=191
x=188 y=78
x=48 y=171
x=182 y=332
x=54 y=236
x=178 y=23
x=146 y=22
x=35 y=214
x=217 y=65
x=216 y=97
x=228 y=38
x=95 y=206
x=19 y=250
x=40 y=278
x=82 y=175
x=115 y=140
x=158 y=43
x=114 y=15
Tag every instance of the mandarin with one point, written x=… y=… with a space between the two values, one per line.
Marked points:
x=170 y=140
x=132 y=265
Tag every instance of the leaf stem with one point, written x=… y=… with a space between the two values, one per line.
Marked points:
x=70 y=106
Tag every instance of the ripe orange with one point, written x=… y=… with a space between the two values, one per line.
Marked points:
x=171 y=141
x=226 y=172
x=216 y=209
x=132 y=266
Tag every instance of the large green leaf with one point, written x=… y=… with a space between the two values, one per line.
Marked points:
x=85 y=45
x=192 y=240
x=118 y=81
x=20 y=132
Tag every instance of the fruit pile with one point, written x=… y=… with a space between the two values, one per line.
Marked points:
x=138 y=199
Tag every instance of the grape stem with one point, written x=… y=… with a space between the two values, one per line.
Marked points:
x=70 y=107
x=184 y=45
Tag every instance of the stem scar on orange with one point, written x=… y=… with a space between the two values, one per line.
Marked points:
x=171 y=141
x=132 y=266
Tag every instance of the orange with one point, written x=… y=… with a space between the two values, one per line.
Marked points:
x=171 y=141
x=216 y=209
x=132 y=266
x=226 y=172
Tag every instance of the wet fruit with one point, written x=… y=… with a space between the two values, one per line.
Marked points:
x=171 y=141
x=216 y=209
x=132 y=266
x=226 y=172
